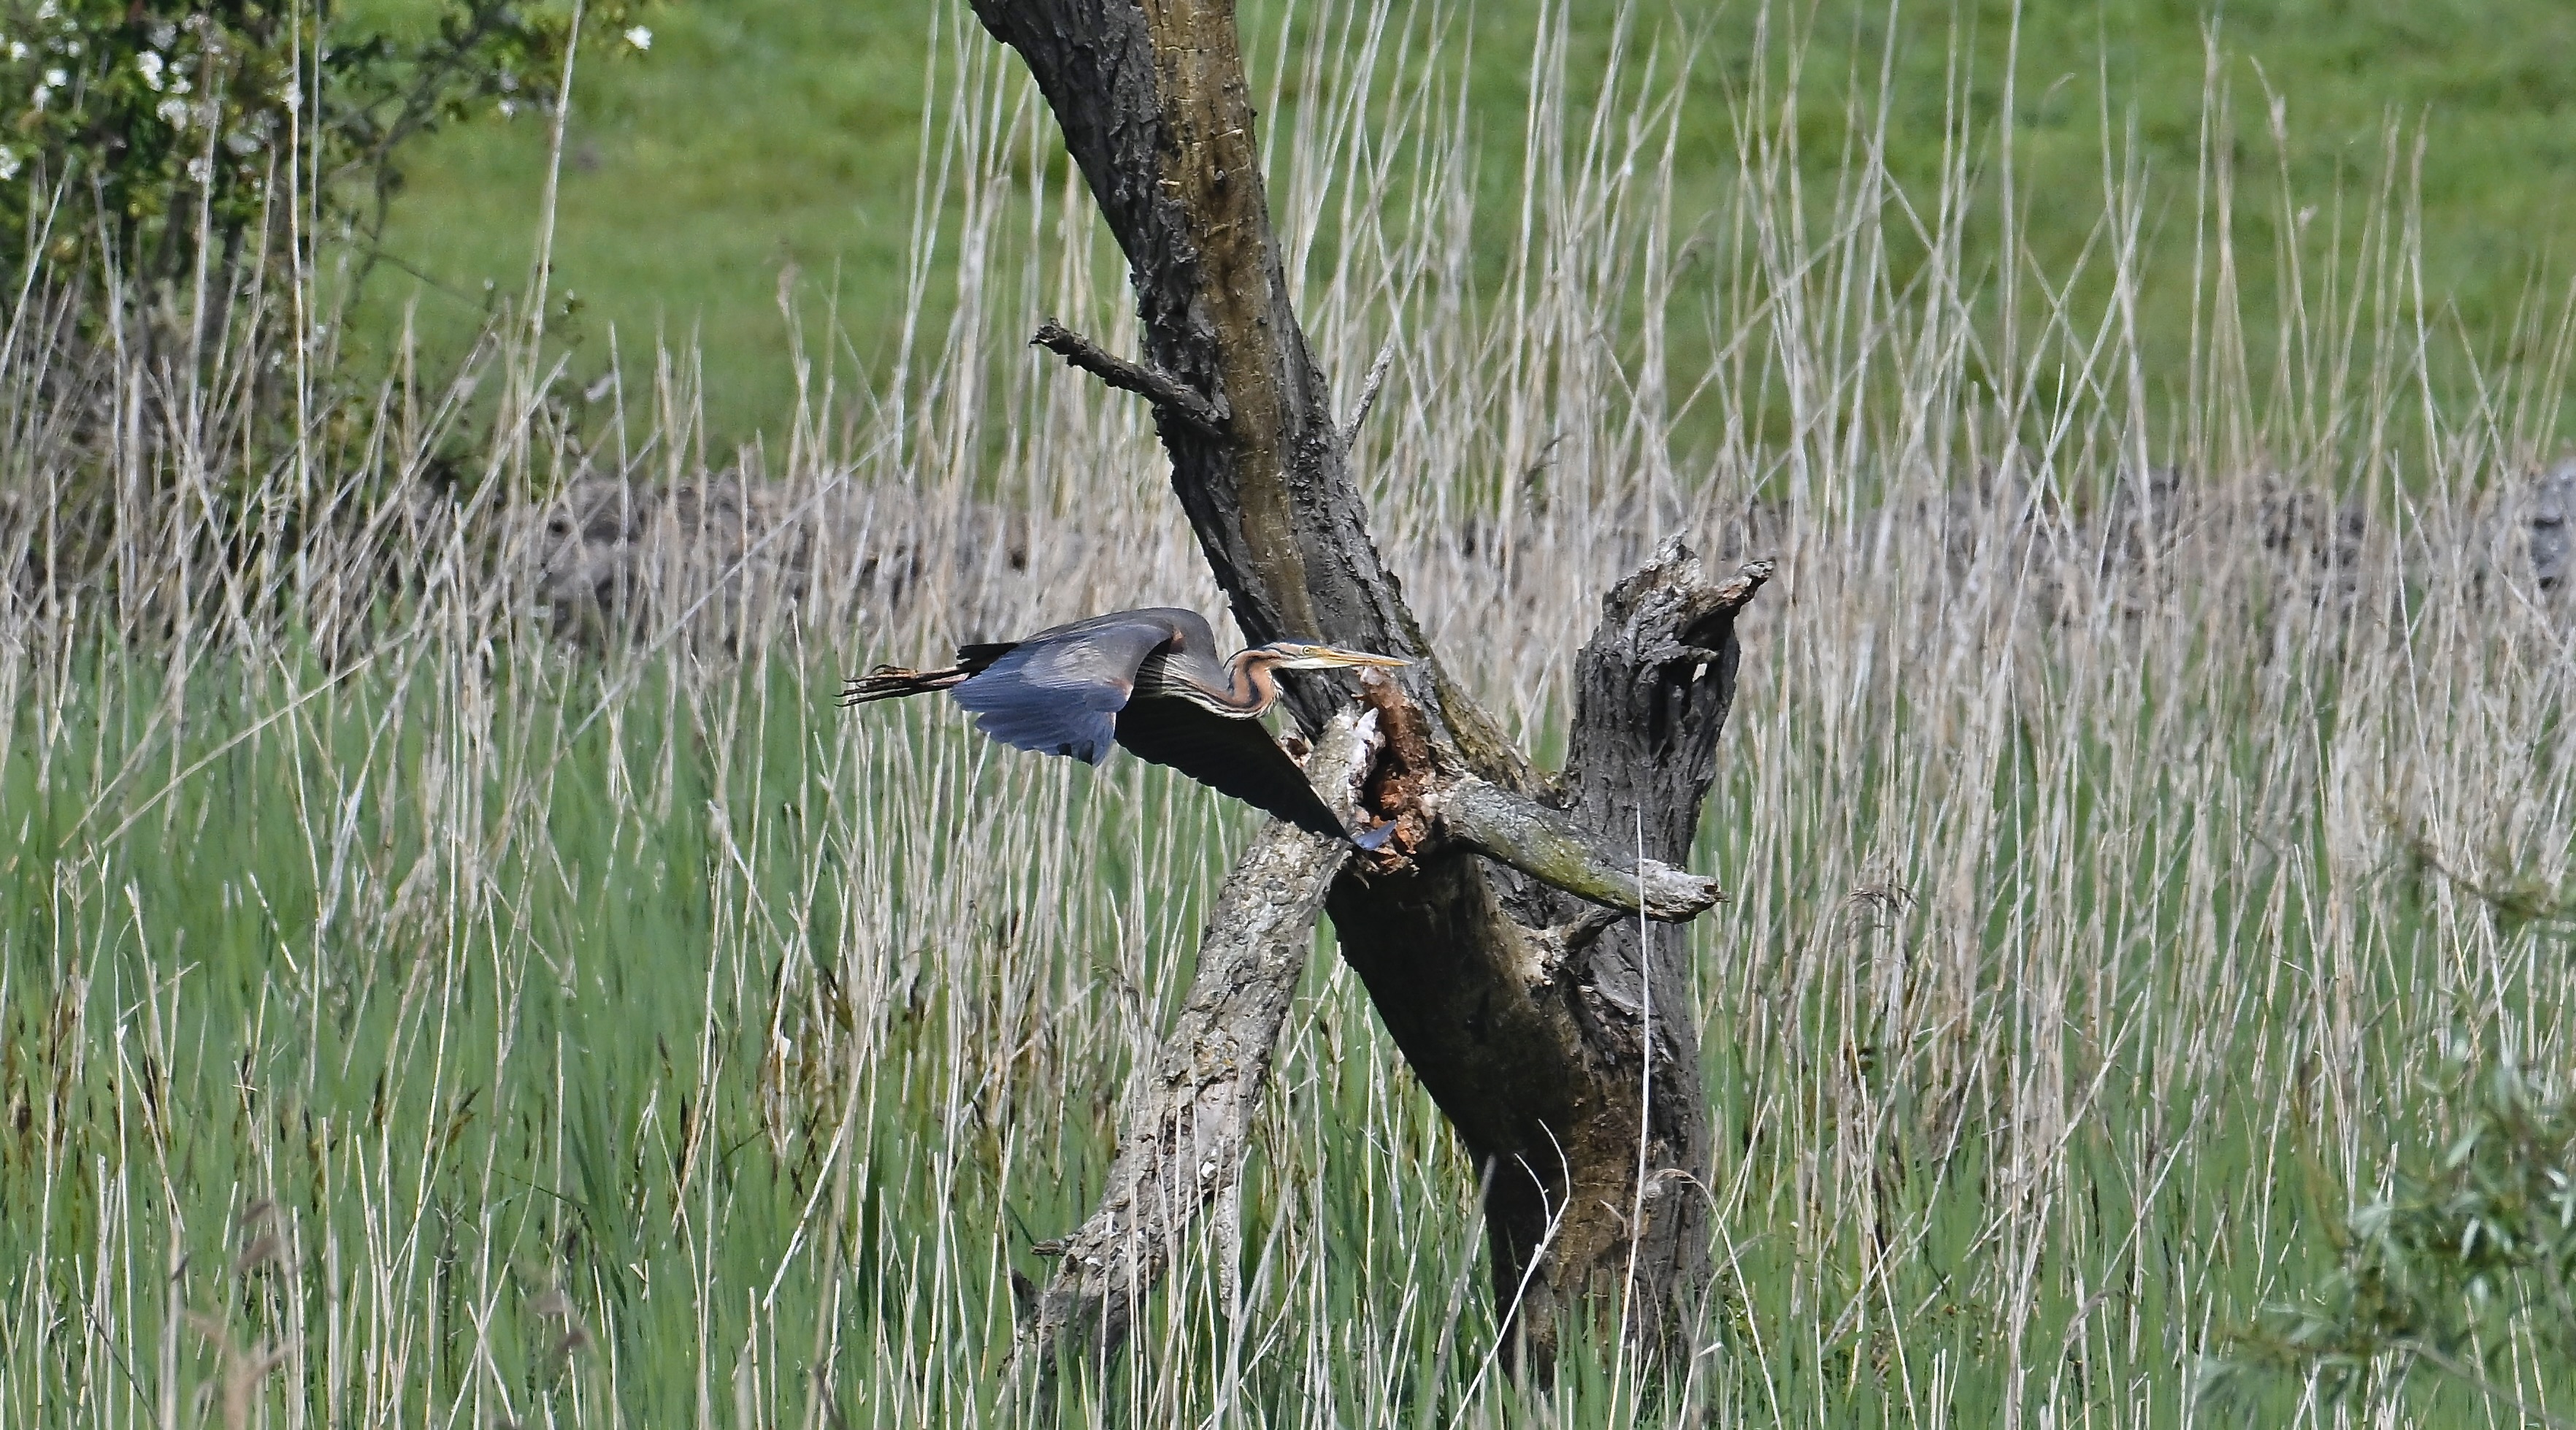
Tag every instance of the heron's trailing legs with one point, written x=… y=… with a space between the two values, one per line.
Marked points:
x=893 y=682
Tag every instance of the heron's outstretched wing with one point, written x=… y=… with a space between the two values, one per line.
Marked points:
x=1233 y=756
x=1059 y=692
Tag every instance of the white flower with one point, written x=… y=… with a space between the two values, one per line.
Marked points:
x=509 y=109
x=8 y=163
x=164 y=35
x=292 y=98
x=640 y=38
x=17 y=49
x=56 y=79
x=48 y=10
x=151 y=63
x=174 y=112
x=199 y=171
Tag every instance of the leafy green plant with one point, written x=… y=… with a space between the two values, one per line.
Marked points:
x=173 y=176
x=2468 y=1258
x=149 y=132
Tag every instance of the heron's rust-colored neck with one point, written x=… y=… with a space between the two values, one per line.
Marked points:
x=1252 y=686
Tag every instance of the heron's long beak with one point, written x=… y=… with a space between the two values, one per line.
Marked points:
x=1327 y=658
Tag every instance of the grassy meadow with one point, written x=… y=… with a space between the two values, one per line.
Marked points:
x=407 y=1017
x=766 y=142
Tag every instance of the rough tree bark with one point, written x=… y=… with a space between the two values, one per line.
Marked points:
x=1559 y=1042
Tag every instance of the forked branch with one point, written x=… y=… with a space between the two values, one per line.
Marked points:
x=1582 y=1105
x=1181 y=1141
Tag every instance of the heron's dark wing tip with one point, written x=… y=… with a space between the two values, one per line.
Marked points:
x=1230 y=755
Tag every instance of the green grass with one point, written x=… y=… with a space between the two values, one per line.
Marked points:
x=757 y=1043
x=752 y=139
x=772 y=137
x=388 y=993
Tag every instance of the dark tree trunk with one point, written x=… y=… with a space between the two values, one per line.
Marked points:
x=1560 y=1043
x=1557 y=1043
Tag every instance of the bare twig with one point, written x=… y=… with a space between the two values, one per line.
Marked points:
x=1151 y=383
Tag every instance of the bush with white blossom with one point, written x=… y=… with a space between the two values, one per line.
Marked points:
x=142 y=132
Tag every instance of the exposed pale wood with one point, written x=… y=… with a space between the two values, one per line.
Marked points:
x=1369 y=388
x=1183 y=1130
x=1562 y=1046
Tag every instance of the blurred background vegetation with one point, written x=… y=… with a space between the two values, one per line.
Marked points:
x=410 y=1013
x=761 y=138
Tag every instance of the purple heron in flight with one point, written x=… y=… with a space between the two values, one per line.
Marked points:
x=1148 y=680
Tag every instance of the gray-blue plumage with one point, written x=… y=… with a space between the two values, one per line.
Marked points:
x=1146 y=679
x=1059 y=691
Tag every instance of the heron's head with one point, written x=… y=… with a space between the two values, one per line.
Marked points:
x=1289 y=655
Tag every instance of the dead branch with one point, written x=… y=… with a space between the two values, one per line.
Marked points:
x=1524 y=1014
x=1151 y=383
x=1547 y=846
x=1182 y=1136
